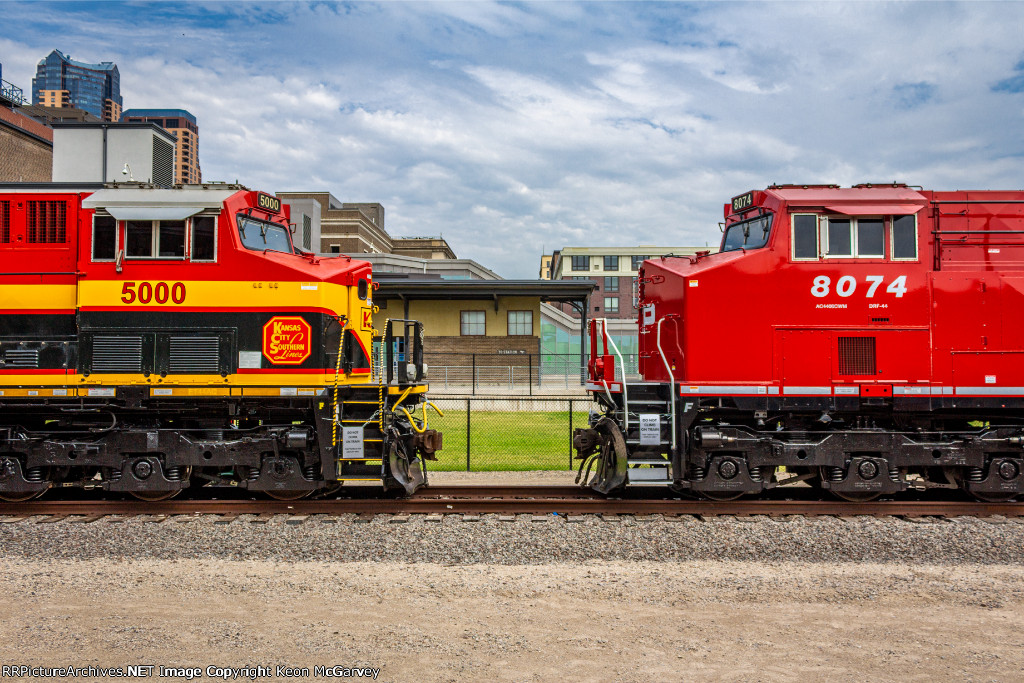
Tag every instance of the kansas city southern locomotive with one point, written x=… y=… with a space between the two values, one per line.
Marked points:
x=865 y=340
x=152 y=339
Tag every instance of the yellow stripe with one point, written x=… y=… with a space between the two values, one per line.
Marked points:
x=37 y=297
x=217 y=294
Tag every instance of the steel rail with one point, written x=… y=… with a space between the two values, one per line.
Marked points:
x=537 y=500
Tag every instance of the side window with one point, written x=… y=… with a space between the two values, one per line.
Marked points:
x=204 y=238
x=904 y=237
x=840 y=242
x=870 y=238
x=155 y=239
x=805 y=236
x=104 y=238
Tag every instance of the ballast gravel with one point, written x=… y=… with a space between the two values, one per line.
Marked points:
x=522 y=539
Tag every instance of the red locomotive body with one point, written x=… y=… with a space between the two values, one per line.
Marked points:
x=862 y=338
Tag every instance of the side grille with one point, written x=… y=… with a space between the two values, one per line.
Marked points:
x=117 y=354
x=47 y=222
x=21 y=358
x=857 y=356
x=194 y=355
x=5 y=222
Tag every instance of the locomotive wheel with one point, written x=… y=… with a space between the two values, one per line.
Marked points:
x=157 y=496
x=21 y=497
x=288 y=495
x=993 y=496
x=722 y=496
x=857 y=496
x=849 y=496
x=956 y=476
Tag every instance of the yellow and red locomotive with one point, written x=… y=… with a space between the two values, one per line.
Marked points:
x=152 y=339
x=865 y=340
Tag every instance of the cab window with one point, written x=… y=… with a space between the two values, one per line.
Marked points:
x=749 y=234
x=263 y=236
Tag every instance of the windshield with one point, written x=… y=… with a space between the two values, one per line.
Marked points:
x=750 y=234
x=262 y=236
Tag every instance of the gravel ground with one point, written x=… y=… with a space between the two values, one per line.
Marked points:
x=594 y=621
x=524 y=598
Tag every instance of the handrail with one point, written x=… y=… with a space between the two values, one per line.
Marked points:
x=671 y=383
x=622 y=364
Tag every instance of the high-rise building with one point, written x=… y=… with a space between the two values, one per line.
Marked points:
x=63 y=82
x=183 y=126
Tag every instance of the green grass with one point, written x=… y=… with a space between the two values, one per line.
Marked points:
x=505 y=441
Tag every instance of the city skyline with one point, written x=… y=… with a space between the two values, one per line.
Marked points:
x=512 y=127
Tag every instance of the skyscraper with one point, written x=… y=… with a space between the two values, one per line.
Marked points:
x=182 y=125
x=63 y=82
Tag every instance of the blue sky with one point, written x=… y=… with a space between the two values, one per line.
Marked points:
x=508 y=127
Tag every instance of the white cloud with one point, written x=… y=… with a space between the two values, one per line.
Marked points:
x=509 y=126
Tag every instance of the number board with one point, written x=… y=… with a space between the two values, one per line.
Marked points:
x=744 y=201
x=268 y=202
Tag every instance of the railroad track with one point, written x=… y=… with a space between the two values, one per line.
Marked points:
x=507 y=500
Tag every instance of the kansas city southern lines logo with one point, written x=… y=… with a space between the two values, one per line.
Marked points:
x=287 y=340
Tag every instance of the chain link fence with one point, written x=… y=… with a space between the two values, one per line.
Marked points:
x=487 y=372
x=507 y=434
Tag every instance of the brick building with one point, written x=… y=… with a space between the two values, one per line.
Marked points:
x=26 y=148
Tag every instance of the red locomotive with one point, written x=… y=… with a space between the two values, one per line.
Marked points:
x=152 y=339
x=867 y=340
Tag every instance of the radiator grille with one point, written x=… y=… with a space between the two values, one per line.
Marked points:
x=21 y=358
x=857 y=356
x=194 y=355
x=47 y=222
x=5 y=222
x=117 y=354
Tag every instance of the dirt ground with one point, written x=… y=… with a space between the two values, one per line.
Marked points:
x=576 y=622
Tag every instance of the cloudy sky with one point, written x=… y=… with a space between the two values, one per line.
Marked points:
x=512 y=128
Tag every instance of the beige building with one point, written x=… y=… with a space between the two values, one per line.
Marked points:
x=358 y=228
x=183 y=126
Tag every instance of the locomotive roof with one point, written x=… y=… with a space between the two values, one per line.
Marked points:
x=855 y=200
x=156 y=203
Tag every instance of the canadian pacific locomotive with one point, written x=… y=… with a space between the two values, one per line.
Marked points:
x=865 y=340
x=152 y=339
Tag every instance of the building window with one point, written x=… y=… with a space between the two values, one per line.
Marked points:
x=581 y=263
x=611 y=262
x=336 y=249
x=204 y=238
x=155 y=239
x=104 y=238
x=520 y=323
x=637 y=261
x=473 y=323
x=611 y=304
x=611 y=284
x=307 y=232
